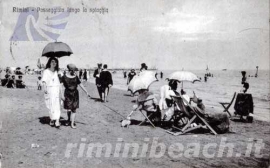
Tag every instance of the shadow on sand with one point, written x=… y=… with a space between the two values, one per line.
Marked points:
x=239 y=120
x=46 y=120
x=129 y=95
x=96 y=99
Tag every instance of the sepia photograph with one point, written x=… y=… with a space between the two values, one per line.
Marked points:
x=134 y=84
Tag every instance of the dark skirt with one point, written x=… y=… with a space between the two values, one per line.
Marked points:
x=71 y=99
x=243 y=104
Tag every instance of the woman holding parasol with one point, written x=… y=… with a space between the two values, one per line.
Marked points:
x=51 y=85
x=50 y=79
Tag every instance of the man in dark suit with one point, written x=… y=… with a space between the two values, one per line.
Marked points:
x=97 y=75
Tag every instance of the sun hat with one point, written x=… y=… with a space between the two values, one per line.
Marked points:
x=71 y=67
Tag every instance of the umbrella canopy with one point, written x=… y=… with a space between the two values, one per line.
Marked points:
x=143 y=81
x=56 y=49
x=184 y=76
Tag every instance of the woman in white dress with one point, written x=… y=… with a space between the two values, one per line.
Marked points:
x=52 y=87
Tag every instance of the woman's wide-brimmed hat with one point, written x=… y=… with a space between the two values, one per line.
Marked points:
x=71 y=67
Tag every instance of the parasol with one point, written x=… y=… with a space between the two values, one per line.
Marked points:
x=182 y=76
x=143 y=81
x=56 y=49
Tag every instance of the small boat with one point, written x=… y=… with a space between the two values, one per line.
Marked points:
x=224 y=69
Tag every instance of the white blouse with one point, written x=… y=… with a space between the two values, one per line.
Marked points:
x=50 y=78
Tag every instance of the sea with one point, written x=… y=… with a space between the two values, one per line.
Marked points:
x=219 y=88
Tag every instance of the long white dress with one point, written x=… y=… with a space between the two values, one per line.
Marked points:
x=166 y=93
x=52 y=98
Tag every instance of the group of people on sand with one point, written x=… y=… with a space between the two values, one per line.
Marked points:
x=83 y=74
x=133 y=73
x=104 y=81
x=10 y=81
x=64 y=89
x=162 y=111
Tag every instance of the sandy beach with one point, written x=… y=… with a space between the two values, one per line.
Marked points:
x=214 y=49
x=26 y=139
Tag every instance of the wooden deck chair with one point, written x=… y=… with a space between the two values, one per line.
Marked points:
x=195 y=113
x=141 y=103
x=227 y=105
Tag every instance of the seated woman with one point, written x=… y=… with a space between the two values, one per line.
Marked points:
x=166 y=101
x=11 y=82
x=20 y=83
x=147 y=102
x=218 y=120
x=4 y=81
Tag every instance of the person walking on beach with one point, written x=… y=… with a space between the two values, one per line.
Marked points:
x=85 y=75
x=131 y=74
x=97 y=75
x=161 y=75
x=106 y=82
x=125 y=74
x=205 y=78
x=143 y=67
x=80 y=74
x=71 y=94
x=51 y=85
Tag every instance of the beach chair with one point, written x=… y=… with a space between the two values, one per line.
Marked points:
x=151 y=117
x=227 y=105
x=195 y=114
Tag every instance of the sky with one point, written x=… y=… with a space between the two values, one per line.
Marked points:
x=166 y=34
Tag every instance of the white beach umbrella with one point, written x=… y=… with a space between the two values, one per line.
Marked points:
x=184 y=76
x=143 y=81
